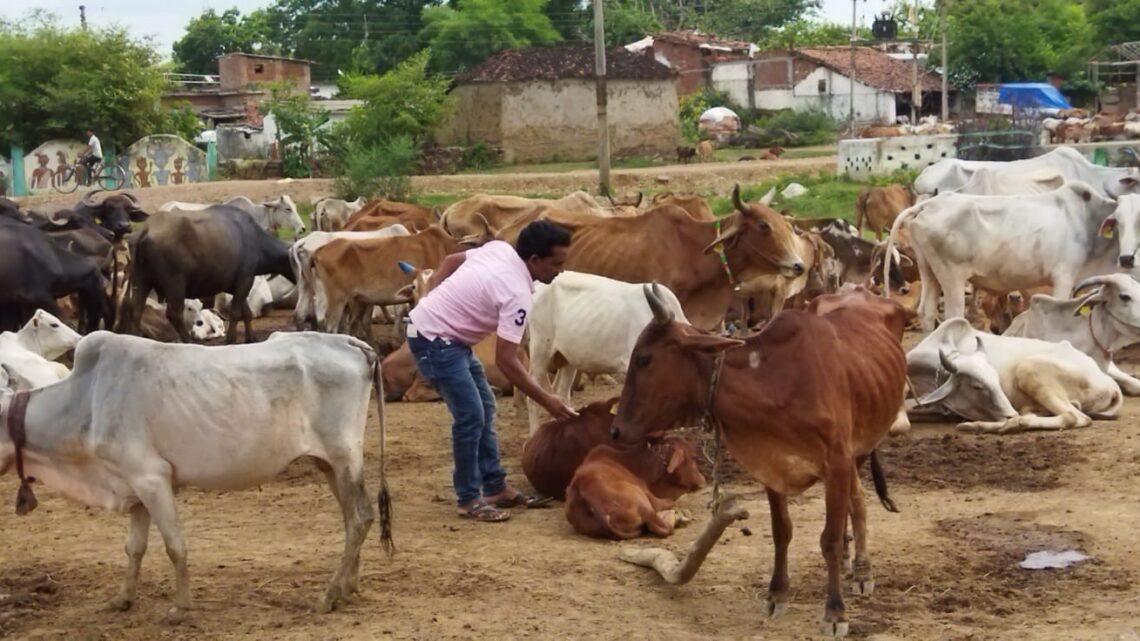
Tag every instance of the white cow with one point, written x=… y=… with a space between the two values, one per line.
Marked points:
x=30 y=352
x=951 y=174
x=1003 y=243
x=270 y=215
x=987 y=181
x=125 y=432
x=332 y=214
x=265 y=294
x=301 y=255
x=1098 y=323
x=204 y=324
x=1003 y=383
x=586 y=323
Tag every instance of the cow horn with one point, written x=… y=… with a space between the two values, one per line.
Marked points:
x=947 y=364
x=640 y=197
x=661 y=316
x=1092 y=281
x=134 y=201
x=768 y=197
x=55 y=218
x=611 y=199
x=87 y=198
x=490 y=230
x=437 y=212
x=736 y=202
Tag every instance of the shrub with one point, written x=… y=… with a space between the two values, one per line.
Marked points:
x=808 y=127
x=380 y=170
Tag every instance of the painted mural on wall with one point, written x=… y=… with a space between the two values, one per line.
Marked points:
x=163 y=160
x=47 y=165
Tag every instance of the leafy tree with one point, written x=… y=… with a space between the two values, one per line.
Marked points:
x=465 y=35
x=55 y=82
x=626 y=21
x=301 y=130
x=181 y=121
x=407 y=101
x=1010 y=40
x=211 y=35
x=573 y=18
x=750 y=20
x=804 y=33
x=1114 y=21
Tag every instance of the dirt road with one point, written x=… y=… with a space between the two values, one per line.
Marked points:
x=713 y=177
x=946 y=567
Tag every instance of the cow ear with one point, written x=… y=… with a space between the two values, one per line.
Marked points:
x=1129 y=181
x=707 y=343
x=938 y=394
x=138 y=216
x=1108 y=227
x=675 y=459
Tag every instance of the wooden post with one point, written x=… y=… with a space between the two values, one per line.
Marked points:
x=603 y=125
x=945 y=69
x=851 y=76
x=916 y=92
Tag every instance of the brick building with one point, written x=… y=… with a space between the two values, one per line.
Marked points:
x=240 y=86
x=692 y=54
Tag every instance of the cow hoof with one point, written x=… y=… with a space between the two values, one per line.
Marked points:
x=863 y=587
x=328 y=603
x=174 y=616
x=775 y=608
x=119 y=604
x=845 y=566
x=835 y=629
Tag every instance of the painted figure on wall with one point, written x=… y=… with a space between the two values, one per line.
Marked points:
x=62 y=174
x=42 y=175
x=177 y=177
x=142 y=173
x=161 y=155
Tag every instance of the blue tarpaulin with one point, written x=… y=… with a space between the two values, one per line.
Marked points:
x=1032 y=95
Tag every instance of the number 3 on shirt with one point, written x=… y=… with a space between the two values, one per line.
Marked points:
x=521 y=317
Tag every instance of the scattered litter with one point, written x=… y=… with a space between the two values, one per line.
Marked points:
x=794 y=190
x=1048 y=559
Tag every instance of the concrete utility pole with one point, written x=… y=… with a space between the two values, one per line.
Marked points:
x=83 y=17
x=945 y=71
x=603 y=125
x=851 y=76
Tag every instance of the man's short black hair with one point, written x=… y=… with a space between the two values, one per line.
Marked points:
x=540 y=238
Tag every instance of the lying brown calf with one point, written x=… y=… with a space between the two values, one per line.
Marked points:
x=551 y=456
x=620 y=493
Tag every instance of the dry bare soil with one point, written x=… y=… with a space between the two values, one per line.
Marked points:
x=946 y=566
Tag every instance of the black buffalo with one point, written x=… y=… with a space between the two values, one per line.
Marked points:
x=199 y=254
x=114 y=213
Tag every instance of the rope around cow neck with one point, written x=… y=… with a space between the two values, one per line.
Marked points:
x=719 y=249
x=711 y=423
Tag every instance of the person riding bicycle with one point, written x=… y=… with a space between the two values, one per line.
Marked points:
x=91 y=155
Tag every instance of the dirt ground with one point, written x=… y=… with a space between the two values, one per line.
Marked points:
x=946 y=566
x=712 y=177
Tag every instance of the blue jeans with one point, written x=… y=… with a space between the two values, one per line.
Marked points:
x=459 y=378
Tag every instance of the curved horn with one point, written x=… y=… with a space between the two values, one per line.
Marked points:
x=1091 y=281
x=947 y=364
x=490 y=230
x=611 y=199
x=131 y=197
x=768 y=197
x=437 y=212
x=87 y=198
x=640 y=197
x=661 y=316
x=55 y=218
x=736 y=202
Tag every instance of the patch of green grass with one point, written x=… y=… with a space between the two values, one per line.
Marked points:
x=827 y=196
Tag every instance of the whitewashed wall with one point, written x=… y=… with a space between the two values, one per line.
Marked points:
x=863 y=158
x=871 y=105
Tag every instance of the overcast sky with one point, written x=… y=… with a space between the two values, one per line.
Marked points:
x=166 y=22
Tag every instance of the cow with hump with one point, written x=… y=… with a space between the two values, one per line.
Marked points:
x=112 y=435
x=806 y=399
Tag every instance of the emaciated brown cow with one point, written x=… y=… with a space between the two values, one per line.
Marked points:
x=620 y=492
x=551 y=456
x=378 y=214
x=697 y=207
x=367 y=271
x=667 y=246
x=806 y=399
x=877 y=207
x=472 y=217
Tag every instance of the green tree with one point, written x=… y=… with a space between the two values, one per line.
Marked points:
x=625 y=21
x=750 y=20
x=572 y=18
x=465 y=35
x=1011 y=40
x=211 y=35
x=804 y=33
x=1114 y=21
x=55 y=82
x=407 y=101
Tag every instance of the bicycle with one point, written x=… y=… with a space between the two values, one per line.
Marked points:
x=109 y=177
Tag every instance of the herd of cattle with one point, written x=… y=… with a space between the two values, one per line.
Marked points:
x=769 y=327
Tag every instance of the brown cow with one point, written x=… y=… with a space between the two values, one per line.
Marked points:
x=1000 y=308
x=555 y=451
x=665 y=245
x=620 y=492
x=878 y=131
x=773 y=153
x=473 y=216
x=402 y=379
x=380 y=213
x=705 y=150
x=877 y=207
x=806 y=399
x=367 y=271
x=697 y=207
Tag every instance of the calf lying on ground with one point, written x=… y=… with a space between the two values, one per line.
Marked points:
x=553 y=453
x=621 y=493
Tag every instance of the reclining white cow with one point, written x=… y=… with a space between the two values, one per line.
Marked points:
x=586 y=323
x=1002 y=383
x=951 y=174
x=112 y=436
x=30 y=353
x=266 y=293
x=270 y=215
x=332 y=214
x=1098 y=323
x=301 y=255
x=204 y=324
x=1003 y=243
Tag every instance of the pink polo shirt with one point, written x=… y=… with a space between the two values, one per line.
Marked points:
x=491 y=291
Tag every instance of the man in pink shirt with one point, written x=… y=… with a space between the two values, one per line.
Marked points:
x=471 y=295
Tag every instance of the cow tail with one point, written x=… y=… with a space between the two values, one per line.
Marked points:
x=861 y=209
x=891 y=239
x=301 y=310
x=384 y=497
x=880 y=481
